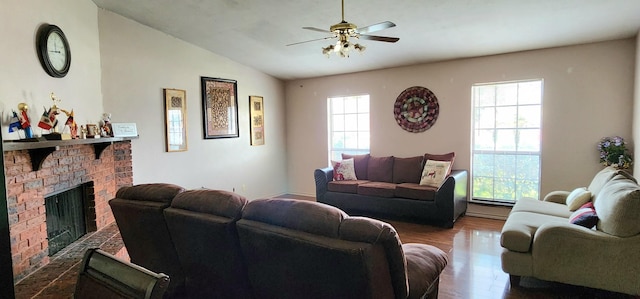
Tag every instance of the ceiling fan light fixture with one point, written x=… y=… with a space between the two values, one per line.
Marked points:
x=342 y=48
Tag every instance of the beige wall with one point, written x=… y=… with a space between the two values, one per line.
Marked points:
x=588 y=94
x=22 y=78
x=120 y=66
x=138 y=62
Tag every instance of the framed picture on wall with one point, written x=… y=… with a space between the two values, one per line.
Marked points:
x=256 y=116
x=175 y=118
x=219 y=107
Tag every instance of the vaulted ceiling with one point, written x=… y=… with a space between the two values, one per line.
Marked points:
x=256 y=32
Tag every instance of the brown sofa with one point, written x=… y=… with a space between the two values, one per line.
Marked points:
x=139 y=213
x=388 y=187
x=285 y=248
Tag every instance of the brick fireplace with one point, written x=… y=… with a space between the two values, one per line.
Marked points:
x=67 y=166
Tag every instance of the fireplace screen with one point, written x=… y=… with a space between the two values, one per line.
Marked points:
x=65 y=218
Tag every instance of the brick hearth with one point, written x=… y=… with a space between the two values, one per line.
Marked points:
x=67 y=167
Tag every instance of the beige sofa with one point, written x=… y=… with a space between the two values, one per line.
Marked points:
x=539 y=241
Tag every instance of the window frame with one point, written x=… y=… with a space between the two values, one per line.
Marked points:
x=334 y=153
x=514 y=153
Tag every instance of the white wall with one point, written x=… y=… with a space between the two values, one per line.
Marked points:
x=138 y=62
x=588 y=94
x=121 y=67
x=22 y=78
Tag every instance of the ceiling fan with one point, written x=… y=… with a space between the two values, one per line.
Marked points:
x=344 y=30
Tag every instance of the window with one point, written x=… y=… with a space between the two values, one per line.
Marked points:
x=505 y=151
x=348 y=126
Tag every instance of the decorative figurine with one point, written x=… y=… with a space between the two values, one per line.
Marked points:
x=48 y=120
x=106 y=125
x=24 y=120
x=73 y=127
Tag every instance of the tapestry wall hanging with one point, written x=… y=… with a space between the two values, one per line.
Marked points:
x=219 y=108
x=416 y=109
x=256 y=111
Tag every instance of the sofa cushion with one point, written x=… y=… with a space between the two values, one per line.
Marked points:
x=344 y=170
x=520 y=227
x=345 y=186
x=380 y=169
x=379 y=189
x=541 y=207
x=360 y=163
x=585 y=216
x=442 y=157
x=407 y=170
x=435 y=172
x=577 y=198
x=601 y=178
x=215 y=202
x=415 y=191
x=310 y=217
x=424 y=265
x=618 y=207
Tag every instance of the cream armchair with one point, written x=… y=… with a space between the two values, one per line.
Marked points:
x=539 y=241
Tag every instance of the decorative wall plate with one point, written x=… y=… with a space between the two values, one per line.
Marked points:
x=416 y=109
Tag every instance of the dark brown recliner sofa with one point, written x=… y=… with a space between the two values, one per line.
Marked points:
x=271 y=248
x=138 y=211
x=301 y=249
x=202 y=224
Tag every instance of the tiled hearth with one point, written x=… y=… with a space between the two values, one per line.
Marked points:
x=65 y=167
x=58 y=278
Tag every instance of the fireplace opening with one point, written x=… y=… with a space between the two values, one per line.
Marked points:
x=67 y=216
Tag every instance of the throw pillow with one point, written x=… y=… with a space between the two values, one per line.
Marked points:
x=577 y=198
x=407 y=170
x=585 y=216
x=434 y=173
x=442 y=157
x=344 y=170
x=360 y=163
x=380 y=169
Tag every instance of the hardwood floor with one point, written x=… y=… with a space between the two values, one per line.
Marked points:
x=474 y=269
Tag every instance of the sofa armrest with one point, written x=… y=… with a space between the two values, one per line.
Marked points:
x=322 y=177
x=451 y=197
x=557 y=197
x=570 y=253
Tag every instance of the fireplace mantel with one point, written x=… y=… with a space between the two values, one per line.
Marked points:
x=39 y=150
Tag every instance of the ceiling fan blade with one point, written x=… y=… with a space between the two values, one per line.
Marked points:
x=316 y=29
x=380 y=38
x=308 y=41
x=375 y=27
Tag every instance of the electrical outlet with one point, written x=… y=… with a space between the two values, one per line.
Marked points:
x=244 y=187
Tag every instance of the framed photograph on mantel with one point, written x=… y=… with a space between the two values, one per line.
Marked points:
x=256 y=114
x=219 y=108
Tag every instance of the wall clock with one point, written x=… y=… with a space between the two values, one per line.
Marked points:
x=53 y=51
x=416 y=109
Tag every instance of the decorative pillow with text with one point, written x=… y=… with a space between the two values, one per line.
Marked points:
x=434 y=173
x=344 y=170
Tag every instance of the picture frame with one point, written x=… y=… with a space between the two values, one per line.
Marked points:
x=175 y=111
x=219 y=108
x=256 y=117
x=92 y=131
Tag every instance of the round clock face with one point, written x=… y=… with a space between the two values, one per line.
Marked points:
x=57 y=51
x=53 y=51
